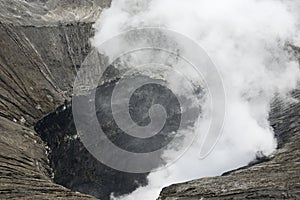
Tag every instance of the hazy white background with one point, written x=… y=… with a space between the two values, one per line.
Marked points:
x=246 y=39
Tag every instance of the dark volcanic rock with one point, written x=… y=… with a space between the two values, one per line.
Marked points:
x=74 y=167
x=24 y=166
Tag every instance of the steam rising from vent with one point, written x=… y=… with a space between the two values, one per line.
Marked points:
x=247 y=40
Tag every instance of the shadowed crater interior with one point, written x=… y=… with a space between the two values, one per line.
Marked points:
x=75 y=168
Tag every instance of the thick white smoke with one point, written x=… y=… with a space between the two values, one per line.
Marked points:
x=247 y=40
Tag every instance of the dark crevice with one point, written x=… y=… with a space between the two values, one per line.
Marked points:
x=75 y=168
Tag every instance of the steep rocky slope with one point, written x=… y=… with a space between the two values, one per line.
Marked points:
x=38 y=60
x=50 y=12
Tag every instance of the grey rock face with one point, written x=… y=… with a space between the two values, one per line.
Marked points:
x=38 y=62
x=35 y=79
x=50 y=12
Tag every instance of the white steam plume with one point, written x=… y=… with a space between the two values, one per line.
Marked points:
x=247 y=41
